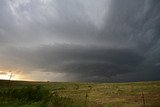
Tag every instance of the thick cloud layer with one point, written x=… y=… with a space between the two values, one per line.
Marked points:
x=107 y=40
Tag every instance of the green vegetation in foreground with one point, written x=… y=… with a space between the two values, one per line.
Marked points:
x=55 y=94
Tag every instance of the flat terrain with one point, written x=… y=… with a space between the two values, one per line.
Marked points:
x=66 y=94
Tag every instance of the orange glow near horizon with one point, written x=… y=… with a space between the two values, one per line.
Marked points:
x=31 y=76
x=15 y=76
x=6 y=76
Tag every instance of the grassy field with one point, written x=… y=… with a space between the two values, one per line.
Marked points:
x=65 y=94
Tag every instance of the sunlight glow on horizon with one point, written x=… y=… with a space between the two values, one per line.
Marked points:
x=32 y=76
x=6 y=76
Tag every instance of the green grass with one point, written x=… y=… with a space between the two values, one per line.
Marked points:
x=67 y=94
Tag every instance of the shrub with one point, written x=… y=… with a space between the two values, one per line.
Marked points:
x=29 y=94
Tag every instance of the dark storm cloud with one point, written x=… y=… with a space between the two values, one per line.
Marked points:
x=133 y=23
x=107 y=40
x=76 y=60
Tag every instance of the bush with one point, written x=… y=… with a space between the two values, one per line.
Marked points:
x=29 y=94
x=34 y=96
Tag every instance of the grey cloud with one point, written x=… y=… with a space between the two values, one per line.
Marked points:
x=134 y=23
x=56 y=21
x=158 y=64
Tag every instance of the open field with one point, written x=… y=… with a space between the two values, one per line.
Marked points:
x=66 y=94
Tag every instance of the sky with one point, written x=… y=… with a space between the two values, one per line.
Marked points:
x=80 y=40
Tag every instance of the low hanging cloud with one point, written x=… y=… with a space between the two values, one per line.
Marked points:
x=75 y=60
x=107 y=40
